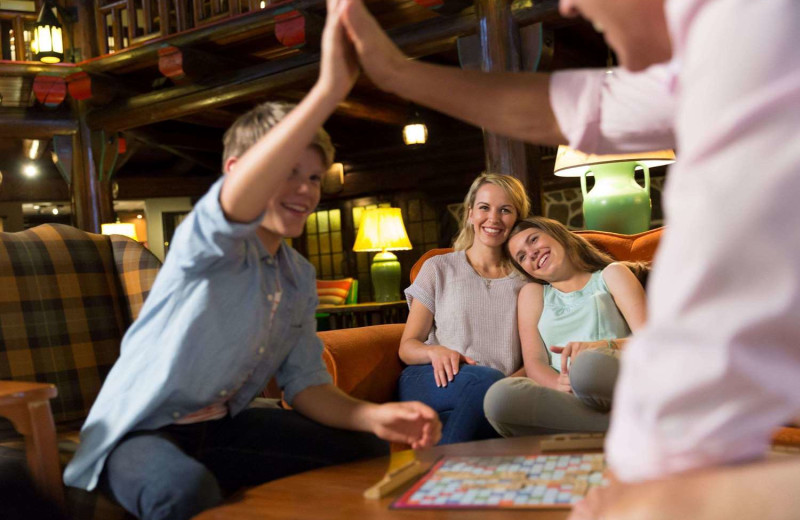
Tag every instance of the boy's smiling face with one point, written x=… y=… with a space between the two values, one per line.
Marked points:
x=288 y=209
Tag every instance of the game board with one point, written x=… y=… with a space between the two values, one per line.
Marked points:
x=532 y=481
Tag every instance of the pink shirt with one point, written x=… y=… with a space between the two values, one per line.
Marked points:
x=718 y=366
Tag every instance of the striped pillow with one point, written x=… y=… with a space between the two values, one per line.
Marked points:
x=333 y=292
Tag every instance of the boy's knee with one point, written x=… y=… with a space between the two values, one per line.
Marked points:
x=183 y=499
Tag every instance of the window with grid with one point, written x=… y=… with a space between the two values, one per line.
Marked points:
x=422 y=225
x=324 y=243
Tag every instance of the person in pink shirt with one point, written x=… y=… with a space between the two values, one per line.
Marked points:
x=715 y=369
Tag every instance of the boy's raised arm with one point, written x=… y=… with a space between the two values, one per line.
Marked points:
x=263 y=169
x=512 y=104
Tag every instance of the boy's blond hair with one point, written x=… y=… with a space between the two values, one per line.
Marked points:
x=251 y=126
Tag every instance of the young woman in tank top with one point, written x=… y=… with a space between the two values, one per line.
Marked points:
x=572 y=322
x=461 y=335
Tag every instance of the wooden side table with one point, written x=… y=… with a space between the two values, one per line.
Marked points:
x=365 y=314
x=27 y=406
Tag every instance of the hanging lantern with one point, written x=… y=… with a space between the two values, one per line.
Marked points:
x=48 y=44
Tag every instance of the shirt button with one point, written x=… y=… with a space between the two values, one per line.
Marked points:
x=270 y=297
x=261 y=350
x=223 y=393
x=270 y=261
x=176 y=415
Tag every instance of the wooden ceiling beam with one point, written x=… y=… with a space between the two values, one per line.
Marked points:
x=34 y=124
x=257 y=81
x=377 y=111
x=213 y=166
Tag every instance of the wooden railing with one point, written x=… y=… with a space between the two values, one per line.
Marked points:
x=17 y=31
x=117 y=29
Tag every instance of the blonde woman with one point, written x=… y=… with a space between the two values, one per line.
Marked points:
x=461 y=334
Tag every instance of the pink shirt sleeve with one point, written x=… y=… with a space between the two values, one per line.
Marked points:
x=615 y=112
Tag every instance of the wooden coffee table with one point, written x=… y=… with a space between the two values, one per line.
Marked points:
x=335 y=493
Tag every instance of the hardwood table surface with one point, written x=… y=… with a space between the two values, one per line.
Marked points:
x=335 y=493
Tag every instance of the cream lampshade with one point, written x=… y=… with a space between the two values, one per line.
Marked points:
x=616 y=203
x=382 y=230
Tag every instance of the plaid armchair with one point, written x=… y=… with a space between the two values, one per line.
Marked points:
x=66 y=299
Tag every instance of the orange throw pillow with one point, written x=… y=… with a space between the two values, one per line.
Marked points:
x=333 y=292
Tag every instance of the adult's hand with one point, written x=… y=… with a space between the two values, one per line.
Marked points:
x=379 y=56
x=445 y=363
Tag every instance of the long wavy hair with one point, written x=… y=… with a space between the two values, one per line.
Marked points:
x=510 y=185
x=580 y=252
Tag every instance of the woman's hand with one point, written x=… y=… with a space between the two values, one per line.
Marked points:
x=573 y=349
x=379 y=56
x=445 y=363
x=338 y=66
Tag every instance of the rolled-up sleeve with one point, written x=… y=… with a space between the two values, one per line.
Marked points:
x=206 y=236
x=303 y=367
x=424 y=286
x=614 y=112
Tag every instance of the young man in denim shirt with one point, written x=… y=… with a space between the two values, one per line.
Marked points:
x=171 y=431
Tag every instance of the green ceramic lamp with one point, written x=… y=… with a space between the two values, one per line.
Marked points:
x=616 y=203
x=382 y=230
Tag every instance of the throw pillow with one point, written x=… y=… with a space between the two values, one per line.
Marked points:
x=333 y=292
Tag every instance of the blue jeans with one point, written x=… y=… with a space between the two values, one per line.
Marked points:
x=459 y=404
x=180 y=470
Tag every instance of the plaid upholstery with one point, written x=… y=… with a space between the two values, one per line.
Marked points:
x=61 y=321
x=137 y=268
x=66 y=299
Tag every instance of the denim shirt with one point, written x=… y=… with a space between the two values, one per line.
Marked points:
x=204 y=332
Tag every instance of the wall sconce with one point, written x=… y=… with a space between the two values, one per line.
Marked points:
x=382 y=230
x=616 y=203
x=415 y=132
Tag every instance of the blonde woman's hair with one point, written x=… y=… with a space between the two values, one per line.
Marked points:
x=580 y=252
x=510 y=185
x=251 y=126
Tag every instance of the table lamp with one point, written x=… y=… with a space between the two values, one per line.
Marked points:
x=382 y=230
x=616 y=203
x=120 y=228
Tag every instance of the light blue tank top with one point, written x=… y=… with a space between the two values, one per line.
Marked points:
x=588 y=314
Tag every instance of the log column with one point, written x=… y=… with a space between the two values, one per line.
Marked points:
x=500 y=52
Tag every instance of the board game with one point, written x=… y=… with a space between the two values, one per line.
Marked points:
x=524 y=481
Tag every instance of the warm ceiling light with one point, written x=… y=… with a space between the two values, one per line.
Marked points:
x=415 y=133
x=48 y=44
x=33 y=151
x=139 y=215
x=30 y=170
x=55 y=211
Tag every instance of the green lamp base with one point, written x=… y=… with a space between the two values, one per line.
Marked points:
x=617 y=203
x=385 y=272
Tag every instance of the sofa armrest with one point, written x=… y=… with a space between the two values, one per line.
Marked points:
x=363 y=361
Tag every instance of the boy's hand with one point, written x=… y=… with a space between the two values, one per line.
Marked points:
x=338 y=66
x=563 y=384
x=445 y=363
x=379 y=56
x=410 y=422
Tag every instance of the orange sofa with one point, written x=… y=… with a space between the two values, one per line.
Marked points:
x=364 y=361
